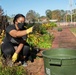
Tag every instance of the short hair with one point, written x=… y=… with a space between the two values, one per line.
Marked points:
x=17 y=16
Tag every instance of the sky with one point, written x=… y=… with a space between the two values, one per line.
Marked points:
x=39 y=6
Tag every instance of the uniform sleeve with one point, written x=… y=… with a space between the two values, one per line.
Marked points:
x=9 y=28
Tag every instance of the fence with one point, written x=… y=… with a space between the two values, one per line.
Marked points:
x=66 y=23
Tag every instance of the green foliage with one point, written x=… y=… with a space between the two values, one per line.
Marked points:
x=52 y=24
x=49 y=14
x=40 y=41
x=59 y=29
x=45 y=41
x=40 y=37
x=43 y=30
x=15 y=70
x=38 y=28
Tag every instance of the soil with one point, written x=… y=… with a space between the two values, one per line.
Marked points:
x=35 y=68
x=63 y=39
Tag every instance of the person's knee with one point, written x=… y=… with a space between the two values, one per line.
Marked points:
x=6 y=51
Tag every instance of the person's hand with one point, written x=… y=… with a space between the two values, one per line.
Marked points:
x=29 y=30
x=14 y=57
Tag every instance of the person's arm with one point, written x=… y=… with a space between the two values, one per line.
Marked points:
x=19 y=48
x=15 y=33
x=15 y=55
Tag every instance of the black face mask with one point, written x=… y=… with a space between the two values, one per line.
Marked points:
x=21 y=26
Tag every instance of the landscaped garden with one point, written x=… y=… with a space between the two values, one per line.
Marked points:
x=40 y=38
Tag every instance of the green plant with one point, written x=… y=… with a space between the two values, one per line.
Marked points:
x=43 y=30
x=45 y=41
x=15 y=70
x=41 y=38
x=52 y=25
x=40 y=41
x=59 y=29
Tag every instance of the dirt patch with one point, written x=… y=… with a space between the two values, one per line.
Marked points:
x=36 y=67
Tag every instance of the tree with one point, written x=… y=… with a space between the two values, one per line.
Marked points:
x=32 y=16
x=74 y=15
x=63 y=15
x=1 y=14
x=49 y=13
x=1 y=11
x=44 y=19
x=56 y=14
x=3 y=20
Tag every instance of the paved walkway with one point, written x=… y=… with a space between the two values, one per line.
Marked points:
x=64 y=39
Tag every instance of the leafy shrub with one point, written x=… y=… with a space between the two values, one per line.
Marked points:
x=52 y=25
x=15 y=70
x=46 y=25
x=49 y=25
x=40 y=38
x=45 y=41
x=59 y=29
x=43 y=30
x=40 y=41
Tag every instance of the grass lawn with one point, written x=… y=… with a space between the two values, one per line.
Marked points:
x=73 y=30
